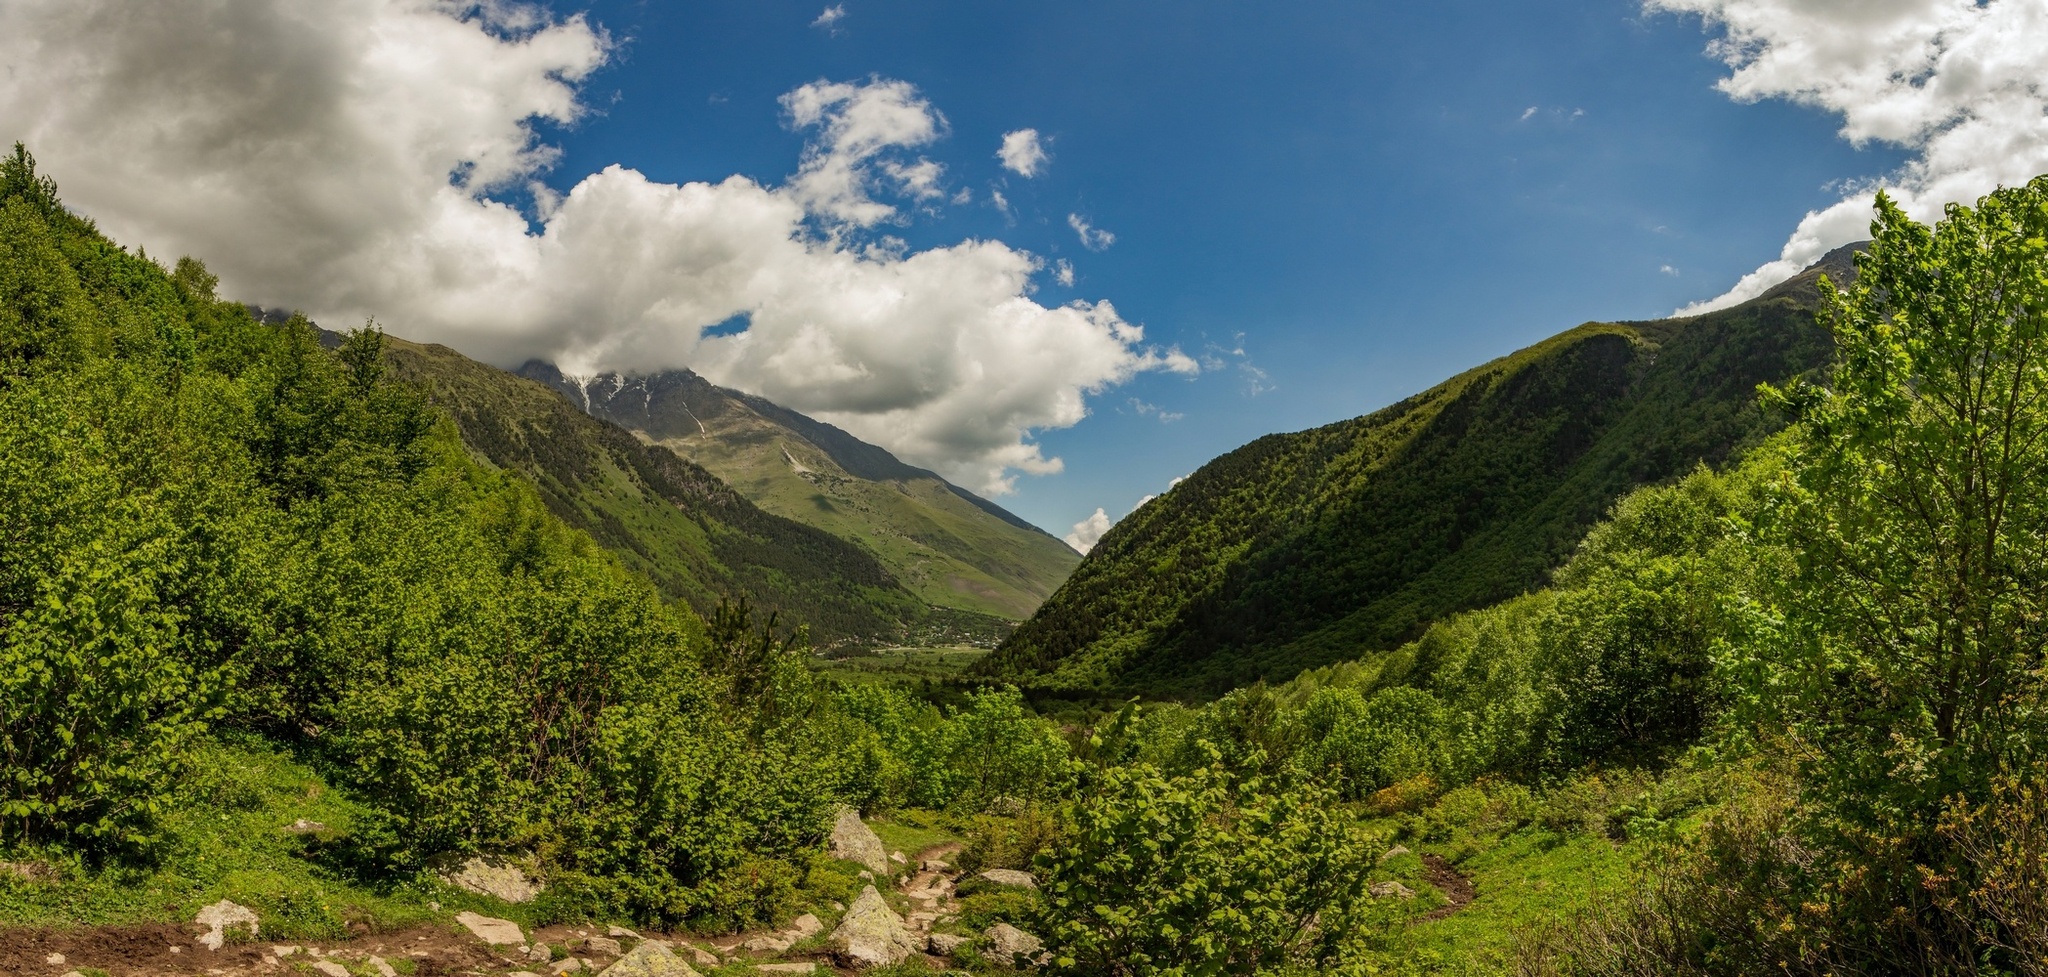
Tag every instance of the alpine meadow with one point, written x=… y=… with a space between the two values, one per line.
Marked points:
x=668 y=640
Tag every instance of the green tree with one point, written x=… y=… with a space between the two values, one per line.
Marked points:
x=1904 y=657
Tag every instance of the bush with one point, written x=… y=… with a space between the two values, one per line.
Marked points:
x=1203 y=872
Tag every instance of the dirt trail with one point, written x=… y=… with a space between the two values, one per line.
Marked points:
x=1449 y=881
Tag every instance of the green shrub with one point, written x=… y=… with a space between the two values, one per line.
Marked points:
x=1202 y=872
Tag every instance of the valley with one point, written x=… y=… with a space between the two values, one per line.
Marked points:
x=1702 y=645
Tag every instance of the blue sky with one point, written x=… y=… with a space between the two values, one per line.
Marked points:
x=1316 y=208
x=1357 y=195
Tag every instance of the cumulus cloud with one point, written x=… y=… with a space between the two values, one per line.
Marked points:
x=358 y=158
x=1022 y=153
x=1956 y=81
x=1093 y=238
x=1089 y=531
x=1063 y=272
x=829 y=20
x=855 y=124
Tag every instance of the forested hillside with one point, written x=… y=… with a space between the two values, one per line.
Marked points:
x=668 y=519
x=948 y=545
x=1299 y=550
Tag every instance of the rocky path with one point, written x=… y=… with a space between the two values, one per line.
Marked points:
x=869 y=932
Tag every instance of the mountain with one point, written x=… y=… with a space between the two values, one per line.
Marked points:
x=1299 y=550
x=672 y=521
x=949 y=546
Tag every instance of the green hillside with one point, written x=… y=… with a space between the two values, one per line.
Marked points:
x=950 y=547
x=1299 y=550
x=673 y=522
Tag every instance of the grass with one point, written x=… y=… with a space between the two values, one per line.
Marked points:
x=912 y=831
x=225 y=836
x=1529 y=879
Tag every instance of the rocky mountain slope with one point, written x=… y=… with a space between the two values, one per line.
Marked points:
x=670 y=520
x=949 y=546
x=1302 y=549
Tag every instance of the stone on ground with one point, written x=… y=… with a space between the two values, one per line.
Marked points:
x=219 y=918
x=944 y=944
x=1009 y=876
x=603 y=944
x=496 y=932
x=806 y=926
x=871 y=934
x=649 y=959
x=765 y=944
x=854 y=841
x=490 y=876
x=383 y=967
x=331 y=969
x=802 y=967
x=1011 y=946
x=1390 y=890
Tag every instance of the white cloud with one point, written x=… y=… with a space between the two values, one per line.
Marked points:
x=829 y=20
x=1089 y=531
x=1218 y=357
x=1093 y=238
x=1022 y=153
x=1528 y=113
x=1955 y=81
x=857 y=123
x=1667 y=270
x=1165 y=416
x=306 y=152
x=1063 y=272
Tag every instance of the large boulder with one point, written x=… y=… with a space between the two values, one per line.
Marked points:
x=854 y=841
x=490 y=876
x=649 y=959
x=1011 y=946
x=1009 y=877
x=871 y=934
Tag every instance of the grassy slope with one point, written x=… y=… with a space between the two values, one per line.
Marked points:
x=1298 y=550
x=673 y=522
x=948 y=546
